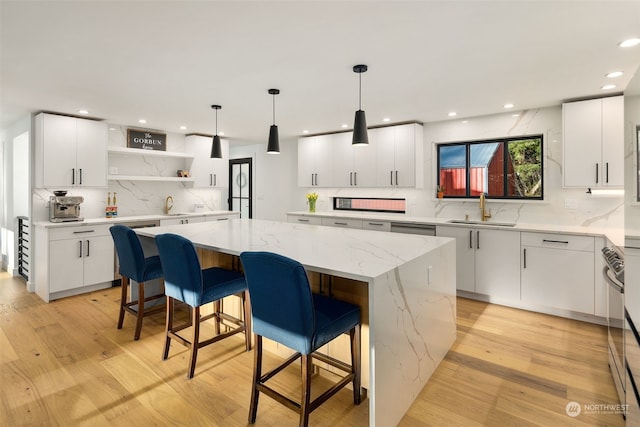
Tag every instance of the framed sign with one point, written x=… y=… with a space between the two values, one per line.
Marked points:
x=146 y=140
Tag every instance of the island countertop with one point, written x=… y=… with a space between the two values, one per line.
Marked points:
x=354 y=254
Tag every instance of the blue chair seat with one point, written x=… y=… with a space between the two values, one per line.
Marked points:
x=185 y=281
x=284 y=310
x=134 y=266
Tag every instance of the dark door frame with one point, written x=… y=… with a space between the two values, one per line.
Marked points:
x=249 y=161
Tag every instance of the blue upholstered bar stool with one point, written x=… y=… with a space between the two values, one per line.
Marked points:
x=134 y=266
x=185 y=281
x=284 y=310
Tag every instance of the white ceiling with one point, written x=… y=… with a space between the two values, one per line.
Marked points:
x=168 y=61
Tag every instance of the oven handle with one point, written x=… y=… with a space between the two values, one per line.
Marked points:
x=610 y=280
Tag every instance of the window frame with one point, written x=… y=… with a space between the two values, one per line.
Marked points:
x=504 y=141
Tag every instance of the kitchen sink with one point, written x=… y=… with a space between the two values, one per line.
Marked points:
x=496 y=224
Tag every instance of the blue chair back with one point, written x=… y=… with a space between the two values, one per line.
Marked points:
x=281 y=299
x=129 y=251
x=182 y=273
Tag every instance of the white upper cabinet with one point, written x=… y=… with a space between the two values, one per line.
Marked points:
x=399 y=155
x=315 y=162
x=354 y=165
x=205 y=171
x=393 y=158
x=70 y=152
x=593 y=141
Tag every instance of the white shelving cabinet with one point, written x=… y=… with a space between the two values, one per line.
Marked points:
x=123 y=152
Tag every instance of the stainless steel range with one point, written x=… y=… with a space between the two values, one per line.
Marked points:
x=613 y=273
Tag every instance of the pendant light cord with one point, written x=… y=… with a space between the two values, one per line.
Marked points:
x=360 y=91
x=274 y=108
x=216 y=122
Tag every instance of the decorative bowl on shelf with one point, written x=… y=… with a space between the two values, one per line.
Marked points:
x=60 y=193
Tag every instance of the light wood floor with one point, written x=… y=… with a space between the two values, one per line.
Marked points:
x=66 y=364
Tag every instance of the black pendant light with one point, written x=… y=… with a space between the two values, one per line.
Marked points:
x=360 y=136
x=216 y=148
x=274 y=144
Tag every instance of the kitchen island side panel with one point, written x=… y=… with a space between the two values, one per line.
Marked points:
x=412 y=327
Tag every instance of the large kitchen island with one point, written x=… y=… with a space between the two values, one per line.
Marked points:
x=409 y=282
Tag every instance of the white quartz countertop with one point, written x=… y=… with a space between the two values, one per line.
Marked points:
x=355 y=254
x=615 y=235
x=127 y=219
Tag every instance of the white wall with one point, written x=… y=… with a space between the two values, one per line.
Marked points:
x=274 y=178
x=590 y=210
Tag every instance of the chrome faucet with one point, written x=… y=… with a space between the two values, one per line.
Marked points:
x=484 y=213
x=167 y=206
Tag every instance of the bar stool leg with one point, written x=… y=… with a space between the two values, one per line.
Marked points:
x=140 y=311
x=307 y=370
x=168 y=328
x=123 y=299
x=194 y=342
x=257 y=373
x=355 y=337
x=246 y=304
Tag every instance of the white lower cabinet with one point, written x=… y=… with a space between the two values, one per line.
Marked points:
x=558 y=271
x=342 y=222
x=305 y=219
x=182 y=220
x=487 y=261
x=75 y=258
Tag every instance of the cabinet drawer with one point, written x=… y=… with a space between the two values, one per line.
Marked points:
x=342 y=222
x=558 y=241
x=305 y=219
x=78 y=232
x=368 y=224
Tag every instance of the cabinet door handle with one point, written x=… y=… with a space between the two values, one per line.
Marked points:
x=391 y=177
x=478 y=239
x=377 y=224
x=215 y=180
x=525 y=257
x=339 y=223
x=396 y=177
x=350 y=178
x=607 y=172
x=80 y=247
x=564 y=242
x=83 y=232
x=80 y=176
x=303 y=220
x=316 y=178
x=597 y=173
x=355 y=178
x=87 y=248
x=73 y=176
x=210 y=180
x=470 y=239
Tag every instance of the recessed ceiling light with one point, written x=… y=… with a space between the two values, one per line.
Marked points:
x=305 y=131
x=452 y=114
x=386 y=119
x=465 y=121
x=614 y=74
x=344 y=125
x=112 y=128
x=221 y=133
x=630 y=42
x=508 y=105
x=142 y=121
x=183 y=128
x=515 y=115
x=608 y=87
x=83 y=112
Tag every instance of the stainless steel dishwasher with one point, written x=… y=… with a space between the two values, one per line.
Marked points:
x=413 y=228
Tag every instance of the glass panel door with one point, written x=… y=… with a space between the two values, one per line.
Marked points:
x=240 y=194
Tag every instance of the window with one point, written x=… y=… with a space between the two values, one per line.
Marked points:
x=369 y=204
x=507 y=168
